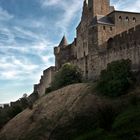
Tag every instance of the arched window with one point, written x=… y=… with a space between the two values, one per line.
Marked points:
x=134 y=19
x=120 y=18
x=110 y=43
x=127 y=19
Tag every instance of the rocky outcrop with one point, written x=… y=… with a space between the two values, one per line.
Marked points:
x=76 y=110
x=55 y=109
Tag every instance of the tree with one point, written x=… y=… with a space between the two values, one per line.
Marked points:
x=67 y=75
x=116 y=79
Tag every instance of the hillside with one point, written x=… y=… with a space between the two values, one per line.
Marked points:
x=68 y=112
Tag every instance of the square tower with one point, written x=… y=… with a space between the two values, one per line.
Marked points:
x=98 y=7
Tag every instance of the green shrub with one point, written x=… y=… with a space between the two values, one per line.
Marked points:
x=97 y=134
x=106 y=116
x=3 y=117
x=127 y=124
x=116 y=79
x=67 y=75
x=134 y=100
x=48 y=90
x=24 y=102
x=13 y=111
x=8 y=113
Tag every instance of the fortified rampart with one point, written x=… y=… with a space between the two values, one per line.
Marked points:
x=102 y=36
x=123 y=46
x=11 y=104
x=45 y=81
x=4 y=106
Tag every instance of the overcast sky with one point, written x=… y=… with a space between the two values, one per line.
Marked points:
x=29 y=29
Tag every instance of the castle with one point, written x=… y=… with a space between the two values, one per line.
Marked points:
x=102 y=36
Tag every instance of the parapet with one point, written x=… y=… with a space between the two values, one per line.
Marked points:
x=4 y=106
x=35 y=87
x=45 y=80
x=125 y=39
x=52 y=68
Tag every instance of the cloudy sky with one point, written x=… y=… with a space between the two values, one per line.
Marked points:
x=29 y=29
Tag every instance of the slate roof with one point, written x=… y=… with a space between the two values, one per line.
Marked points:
x=101 y=19
x=63 y=42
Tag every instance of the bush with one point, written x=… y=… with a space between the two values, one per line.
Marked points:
x=106 y=116
x=48 y=90
x=3 y=117
x=8 y=113
x=13 y=111
x=127 y=124
x=97 y=134
x=116 y=79
x=67 y=75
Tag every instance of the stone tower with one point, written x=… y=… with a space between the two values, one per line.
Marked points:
x=102 y=36
x=98 y=7
x=63 y=42
x=61 y=53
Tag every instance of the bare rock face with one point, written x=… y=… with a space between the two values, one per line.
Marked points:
x=51 y=113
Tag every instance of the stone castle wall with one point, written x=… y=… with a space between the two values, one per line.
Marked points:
x=45 y=81
x=102 y=36
x=122 y=21
x=123 y=46
x=65 y=54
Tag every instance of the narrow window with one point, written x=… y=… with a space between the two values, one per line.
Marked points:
x=110 y=28
x=134 y=19
x=126 y=19
x=120 y=18
x=103 y=27
x=110 y=43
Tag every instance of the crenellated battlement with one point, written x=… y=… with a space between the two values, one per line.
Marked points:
x=122 y=46
x=4 y=106
x=125 y=40
x=45 y=80
x=102 y=36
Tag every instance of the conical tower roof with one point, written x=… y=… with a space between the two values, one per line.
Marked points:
x=63 y=42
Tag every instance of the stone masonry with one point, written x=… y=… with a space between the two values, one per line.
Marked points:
x=102 y=36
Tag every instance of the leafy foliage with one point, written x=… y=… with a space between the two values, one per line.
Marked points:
x=48 y=90
x=13 y=111
x=127 y=124
x=67 y=75
x=8 y=113
x=17 y=107
x=116 y=79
